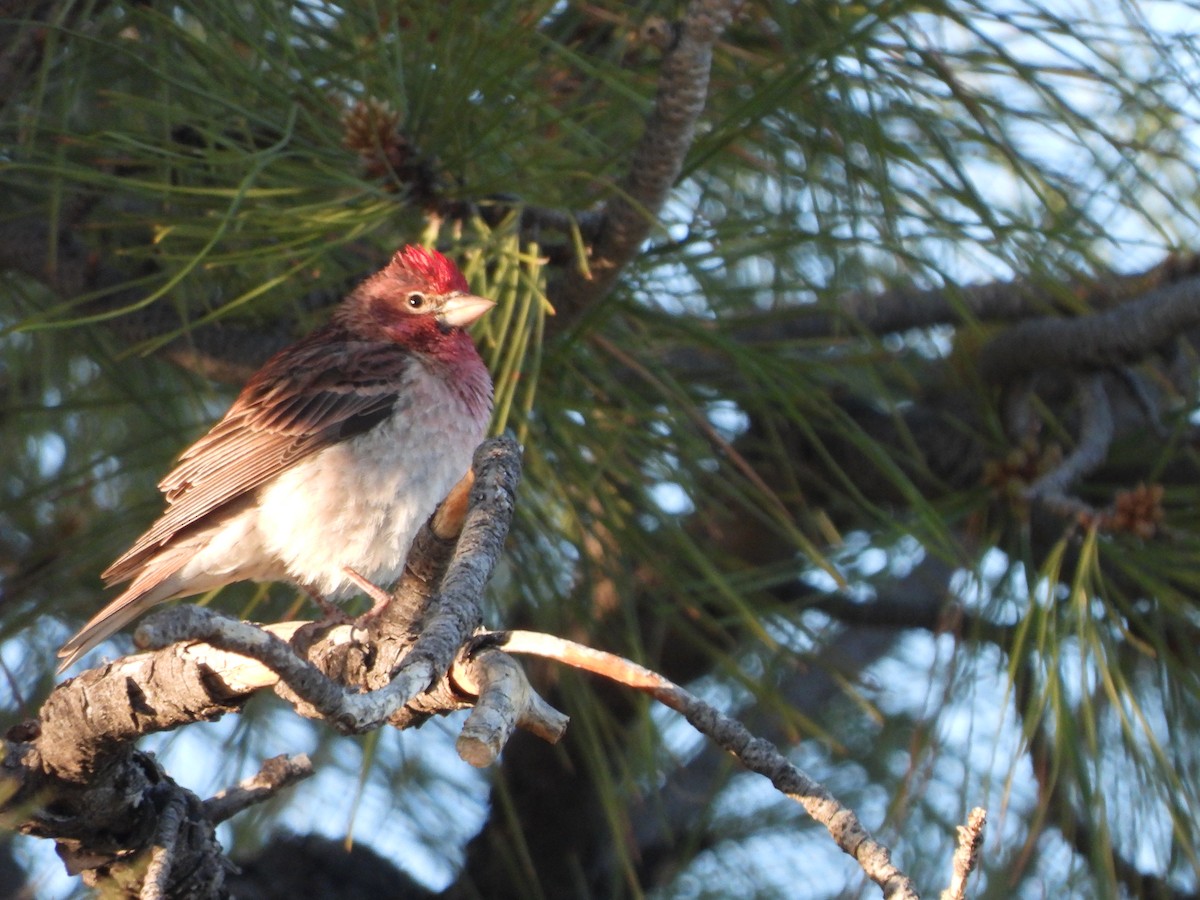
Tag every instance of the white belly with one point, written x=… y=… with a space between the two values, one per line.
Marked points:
x=360 y=503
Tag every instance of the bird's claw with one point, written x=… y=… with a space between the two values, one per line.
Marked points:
x=378 y=595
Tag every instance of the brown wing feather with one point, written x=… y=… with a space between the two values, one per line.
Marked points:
x=307 y=397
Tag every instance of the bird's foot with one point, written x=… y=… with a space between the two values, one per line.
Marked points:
x=331 y=613
x=378 y=595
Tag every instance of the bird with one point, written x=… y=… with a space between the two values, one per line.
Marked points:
x=330 y=459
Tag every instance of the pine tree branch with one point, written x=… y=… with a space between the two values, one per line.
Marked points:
x=966 y=854
x=444 y=631
x=906 y=307
x=656 y=163
x=73 y=775
x=1091 y=449
x=755 y=754
x=277 y=774
x=1107 y=339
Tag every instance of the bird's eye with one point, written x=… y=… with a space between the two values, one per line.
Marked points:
x=416 y=300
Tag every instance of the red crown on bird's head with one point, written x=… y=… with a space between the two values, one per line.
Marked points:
x=430 y=266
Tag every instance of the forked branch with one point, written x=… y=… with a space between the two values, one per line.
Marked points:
x=755 y=754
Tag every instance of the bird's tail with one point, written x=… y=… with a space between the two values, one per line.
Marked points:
x=124 y=609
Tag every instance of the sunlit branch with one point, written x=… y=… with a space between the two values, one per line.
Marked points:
x=966 y=854
x=755 y=754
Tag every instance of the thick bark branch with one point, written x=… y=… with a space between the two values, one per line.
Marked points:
x=1113 y=338
x=656 y=163
x=904 y=308
x=74 y=776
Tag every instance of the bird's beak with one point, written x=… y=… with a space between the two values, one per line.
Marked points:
x=463 y=309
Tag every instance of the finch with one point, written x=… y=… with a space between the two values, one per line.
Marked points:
x=330 y=459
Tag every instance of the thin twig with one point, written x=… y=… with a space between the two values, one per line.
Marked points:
x=754 y=753
x=966 y=854
x=276 y=773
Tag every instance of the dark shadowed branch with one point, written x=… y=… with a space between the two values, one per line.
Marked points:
x=656 y=162
x=276 y=774
x=1105 y=339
